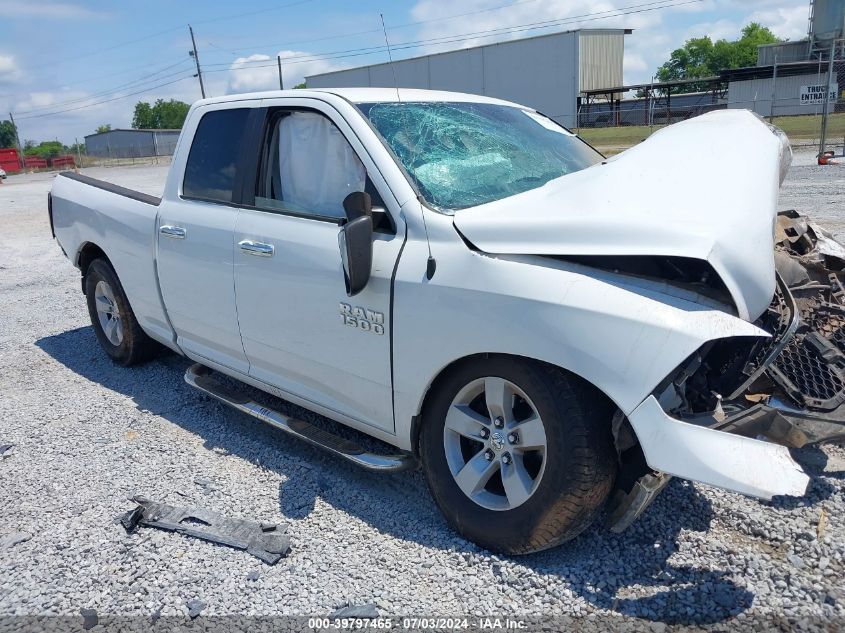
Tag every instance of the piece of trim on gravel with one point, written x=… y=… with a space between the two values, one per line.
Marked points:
x=266 y=541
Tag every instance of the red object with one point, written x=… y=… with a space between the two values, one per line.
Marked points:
x=9 y=160
x=31 y=162
x=63 y=161
x=827 y=158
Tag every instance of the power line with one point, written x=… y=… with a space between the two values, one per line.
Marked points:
x=662 y=3
x=340 y=36
x=122 y=71
x=143 y=38
x=90 y=105
x=148 y=78
x=251 y=13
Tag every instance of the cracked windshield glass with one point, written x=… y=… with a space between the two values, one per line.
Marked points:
x=466 y=154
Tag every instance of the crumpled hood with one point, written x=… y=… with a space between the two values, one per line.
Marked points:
x=706 y=188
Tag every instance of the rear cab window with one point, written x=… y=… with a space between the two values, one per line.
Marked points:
x=212 y=162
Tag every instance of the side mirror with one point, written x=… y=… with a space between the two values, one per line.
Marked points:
x=356 y=242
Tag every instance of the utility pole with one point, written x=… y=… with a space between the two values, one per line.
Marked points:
x=78 y=152
x=18 y=139
x=281 y=83
x=196 y=57
x=826 y=106
x=774 y=90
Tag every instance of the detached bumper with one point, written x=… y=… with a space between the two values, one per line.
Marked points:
x=733 y=462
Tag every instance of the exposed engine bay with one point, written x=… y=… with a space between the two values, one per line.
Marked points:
x=790 y=388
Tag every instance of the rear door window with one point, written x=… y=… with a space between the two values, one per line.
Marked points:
x=212 y=161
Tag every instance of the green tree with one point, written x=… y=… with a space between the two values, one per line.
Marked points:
x=45 y=149
x=106 y=127
x=300 y=86
x=8 y=137
x=143 y=119
x=162 y=115
x=701 y=57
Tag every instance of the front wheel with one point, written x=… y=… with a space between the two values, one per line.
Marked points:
x=517 y=454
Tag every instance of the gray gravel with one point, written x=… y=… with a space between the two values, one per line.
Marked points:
x=87 y=436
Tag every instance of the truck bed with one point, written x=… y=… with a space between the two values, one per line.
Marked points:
x=121 y=222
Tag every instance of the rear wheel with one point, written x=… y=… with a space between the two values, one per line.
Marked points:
x=114 y=323
x=518 y=455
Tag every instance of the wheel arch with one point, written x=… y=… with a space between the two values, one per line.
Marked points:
x=416 y=420
x=89 y=252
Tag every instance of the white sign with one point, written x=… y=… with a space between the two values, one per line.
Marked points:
x=814 y=95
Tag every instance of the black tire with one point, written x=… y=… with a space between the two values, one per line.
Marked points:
x=135 y=346
x=580 y=464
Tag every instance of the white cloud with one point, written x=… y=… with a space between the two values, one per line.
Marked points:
x=45 y=10
x=788 y=22
x=9 y=71
x=634 y=63
x=718 y=30
x=260 y=72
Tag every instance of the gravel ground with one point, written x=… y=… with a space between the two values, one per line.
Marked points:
x=88 y=435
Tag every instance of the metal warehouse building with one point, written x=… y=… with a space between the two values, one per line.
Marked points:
x=546 y=72
x=132 y=143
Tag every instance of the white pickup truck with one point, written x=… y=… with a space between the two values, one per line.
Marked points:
x=542 y=328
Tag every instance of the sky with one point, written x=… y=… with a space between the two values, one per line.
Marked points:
x=68 y=66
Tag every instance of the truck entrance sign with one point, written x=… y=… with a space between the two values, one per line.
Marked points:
x=814 y=95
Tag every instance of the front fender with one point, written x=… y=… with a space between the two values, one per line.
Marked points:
x=622 y=335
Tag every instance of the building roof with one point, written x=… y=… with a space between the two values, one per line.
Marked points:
x=123 y=129
x=765 y=72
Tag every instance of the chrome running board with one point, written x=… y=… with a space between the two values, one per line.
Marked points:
x=202 y=378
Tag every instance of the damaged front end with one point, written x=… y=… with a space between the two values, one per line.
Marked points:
x=790 y=388
x=705 y=422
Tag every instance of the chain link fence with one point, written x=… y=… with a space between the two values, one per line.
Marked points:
x=806 y=99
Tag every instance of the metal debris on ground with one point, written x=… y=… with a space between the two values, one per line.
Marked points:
x=356 y=611
x=266 y=541
x=4 y=449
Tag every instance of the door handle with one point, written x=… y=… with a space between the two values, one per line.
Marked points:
x=259 y=249
x=175 y=232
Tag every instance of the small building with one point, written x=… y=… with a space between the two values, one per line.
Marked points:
x=122 y=143
x=545 y=72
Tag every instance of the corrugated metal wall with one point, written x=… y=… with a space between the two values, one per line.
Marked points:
x=132 y=143
x=600 y=54
x=541 y=72
x=787 y=52
x=756 y=95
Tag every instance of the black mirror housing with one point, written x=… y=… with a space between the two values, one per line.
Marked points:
x=355 y=241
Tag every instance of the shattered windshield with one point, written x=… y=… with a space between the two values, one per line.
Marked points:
x=466 y=154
